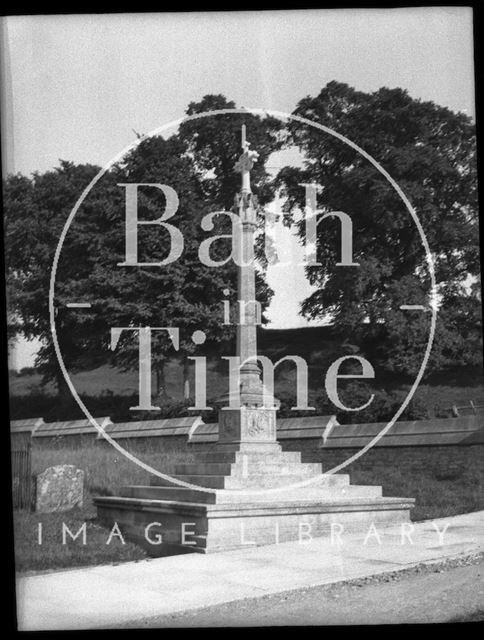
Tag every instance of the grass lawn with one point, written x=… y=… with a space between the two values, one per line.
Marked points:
x=51 y=553
x=434 y=497
x=319 y=346
x=106 y=470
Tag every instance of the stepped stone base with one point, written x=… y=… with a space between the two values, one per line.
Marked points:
x=228 y=508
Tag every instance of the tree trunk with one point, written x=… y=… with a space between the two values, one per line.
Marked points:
x=66 y=403
x=186 y=377
x=63 y=390
x=160 y=381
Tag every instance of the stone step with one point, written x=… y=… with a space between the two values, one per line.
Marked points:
x=172 y=493
x=207 y=480
x=229 y=457
x=218 y=457
x=262 y=457
x=205 y=468
x=273 y=530
x=302 y=494
x=250 y=468
x=256 y=480
x=240 y=525
x=266 y=481
x=277 y=468
x=266 y=447
x=305 y=493
x=238 y=481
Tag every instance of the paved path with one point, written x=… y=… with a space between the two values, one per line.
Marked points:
x=418 y=596
x=110 y=595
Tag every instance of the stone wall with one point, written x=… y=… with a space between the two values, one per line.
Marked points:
x=149 y=444
x=75 y=433
x=148 y=435
x=443 y=462
x=441 y=448
x=438 y=450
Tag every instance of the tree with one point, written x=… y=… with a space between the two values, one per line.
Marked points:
x=210 y=146
x=185 y=294
x=35 y=211
x=430 y=152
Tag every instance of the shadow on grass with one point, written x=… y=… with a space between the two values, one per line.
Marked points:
x=44 y=541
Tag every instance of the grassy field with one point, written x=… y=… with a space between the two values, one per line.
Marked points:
x=319 y=346
x=111 y=392
x=106 y=470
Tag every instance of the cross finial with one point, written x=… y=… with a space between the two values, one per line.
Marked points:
x=246 y=160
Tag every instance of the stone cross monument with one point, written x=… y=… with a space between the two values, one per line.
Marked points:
x=245 y=484
x=250 y=420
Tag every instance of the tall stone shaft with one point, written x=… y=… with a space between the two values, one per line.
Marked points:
x=248 y=314
x=250 y=418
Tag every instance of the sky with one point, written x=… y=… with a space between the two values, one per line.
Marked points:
x=77 y=87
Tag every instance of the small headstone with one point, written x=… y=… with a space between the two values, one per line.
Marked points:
x=59 y=488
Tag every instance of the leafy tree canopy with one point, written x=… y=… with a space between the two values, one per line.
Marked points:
x=427 y=149
x=430 y=152
x=184 y=294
